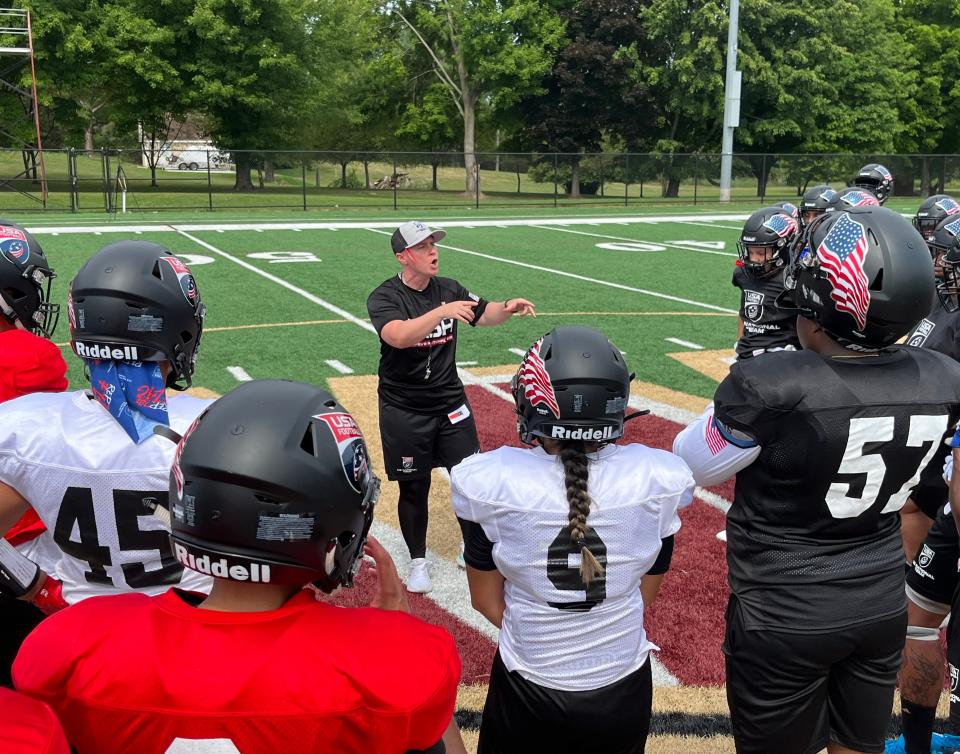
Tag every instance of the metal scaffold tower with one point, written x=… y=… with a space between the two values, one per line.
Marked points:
x=19 y=110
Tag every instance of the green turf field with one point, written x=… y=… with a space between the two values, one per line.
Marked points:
x=284 y=303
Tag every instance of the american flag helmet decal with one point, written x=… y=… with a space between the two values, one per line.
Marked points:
x=534 y=380
x=841 y=254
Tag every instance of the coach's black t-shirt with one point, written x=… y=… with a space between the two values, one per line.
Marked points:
x=422 y=378
x=764 y=326
x=813 y=535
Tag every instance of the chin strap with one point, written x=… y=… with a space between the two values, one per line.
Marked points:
x=644 y=412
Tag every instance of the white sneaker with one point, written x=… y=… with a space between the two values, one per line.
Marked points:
x=461 y=563
x=419 y=579
x=722 y=535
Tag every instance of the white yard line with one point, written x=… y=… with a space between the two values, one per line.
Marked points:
x=583 y=278
x=239 y=374
x=338 y=366
x=517 y=351
x=685 y=343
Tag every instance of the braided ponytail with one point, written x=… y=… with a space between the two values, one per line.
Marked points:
x=574 y=458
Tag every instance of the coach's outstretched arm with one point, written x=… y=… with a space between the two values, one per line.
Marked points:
x=713 y=451
x=406 y=333
x=496 y=314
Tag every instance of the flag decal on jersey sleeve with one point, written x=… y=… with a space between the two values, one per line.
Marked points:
x=535 y=380
x=841 y=255
x=715 y=441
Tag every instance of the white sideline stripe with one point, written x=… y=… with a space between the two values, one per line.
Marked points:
x=389 y=224
x=239 y=374
x=339 y=366
x=685 y=343
x=280 y=281
x=661 y=676
x=583 y=278
x=680 y=247
x=517 y=351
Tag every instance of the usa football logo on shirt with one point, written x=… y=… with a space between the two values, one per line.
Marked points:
x=535 y=380
x=841 y=255
x=187 y=284
x=13 y=245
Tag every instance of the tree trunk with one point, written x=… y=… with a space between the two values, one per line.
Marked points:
x=88 y=137
x=672 y=187
x=153 y=174
x=924 y=178
x=243 y=181
x=269 y=171
x=343 y=174
x=470 y=144
x=433 y=185
x=575 y=179
x=366 y=174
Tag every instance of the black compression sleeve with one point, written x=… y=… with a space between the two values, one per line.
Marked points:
x=662 y=564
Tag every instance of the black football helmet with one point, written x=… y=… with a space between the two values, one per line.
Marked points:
x=948 y=286
x=944 y=237
x=876 y=179
x=771 y=228
x=272 y=484
x=815 y=201
x=932 y=210
x=863 y=275
x=573 y=384
x=789 y=208
x=25 y=278
x=135 y=301
x=854 y=196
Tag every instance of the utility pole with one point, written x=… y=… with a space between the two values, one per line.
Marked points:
x=731 y=103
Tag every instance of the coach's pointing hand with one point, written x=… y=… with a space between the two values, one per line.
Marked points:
x=519 y=306
x=459 y=310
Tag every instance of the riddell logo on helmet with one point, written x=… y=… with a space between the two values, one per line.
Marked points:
x=581 y=433
x=221 y=568
x=125 y=353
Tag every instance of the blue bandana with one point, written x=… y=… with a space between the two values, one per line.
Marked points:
x=133 y=392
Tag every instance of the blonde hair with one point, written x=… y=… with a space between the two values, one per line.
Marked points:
x=576 y=471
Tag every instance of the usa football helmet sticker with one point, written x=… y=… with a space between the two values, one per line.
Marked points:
x=353 y=449
x=535 y=381
x=14 y=246
x=187 y=284
x=753 y=305
x=175 y=468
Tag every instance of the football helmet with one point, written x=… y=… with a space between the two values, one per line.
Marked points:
x=815 y=201
x=25 y=278
x=854 y=196
x=573 y=384
x=772 y=229
x=948 y=287
x=876 y=179
x=135 y=301
x=932 y=210
x=788 y=208
x=864 y=275
x=272 y=484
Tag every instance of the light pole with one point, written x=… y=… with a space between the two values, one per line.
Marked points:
x=731 y=103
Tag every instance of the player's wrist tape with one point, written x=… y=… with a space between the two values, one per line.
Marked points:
x=18 y=574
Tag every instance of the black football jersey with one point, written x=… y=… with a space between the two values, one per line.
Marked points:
x=422 y=378
x=764 y=326
x=813 y=536
x=940 y=331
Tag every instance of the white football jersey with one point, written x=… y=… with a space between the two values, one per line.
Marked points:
x=518 y=496
x=87 y=480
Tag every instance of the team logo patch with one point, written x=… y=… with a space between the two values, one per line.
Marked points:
x=13 y=245
x=925 y=557
x=187 y=284
x=921 y=334
x=782 y=225
x=535 y=380
x=841 y=254
x=407 y=463
x=352 y=448
x=947 y=205
x=752 y=305
x=859 y=199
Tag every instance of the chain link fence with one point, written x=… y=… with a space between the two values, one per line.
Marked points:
x=113 y=180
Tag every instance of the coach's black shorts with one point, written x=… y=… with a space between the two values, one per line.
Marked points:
x=791 y=693
x=413 y=444
x=932 y=577
x=521 y=717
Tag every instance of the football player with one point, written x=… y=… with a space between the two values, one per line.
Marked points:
x=425 y=417
x=826 y=444
x=28 y=726
x=932 y=210
x=876 y=179
x=763 y=249
x=29 y=363
x=271 y=491
x=87 y=462
x=815 y=202
x=932 y=577
x=566 y=542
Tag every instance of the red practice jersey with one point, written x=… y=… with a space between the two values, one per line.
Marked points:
x=28 y=364
x=28 y=726
x=155 y=675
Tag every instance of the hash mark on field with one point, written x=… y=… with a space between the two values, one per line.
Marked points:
x=297 y=230
x=239 y=374
x=518 y=351
x=685 y=343
x=339 y=366
x=467 y=363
